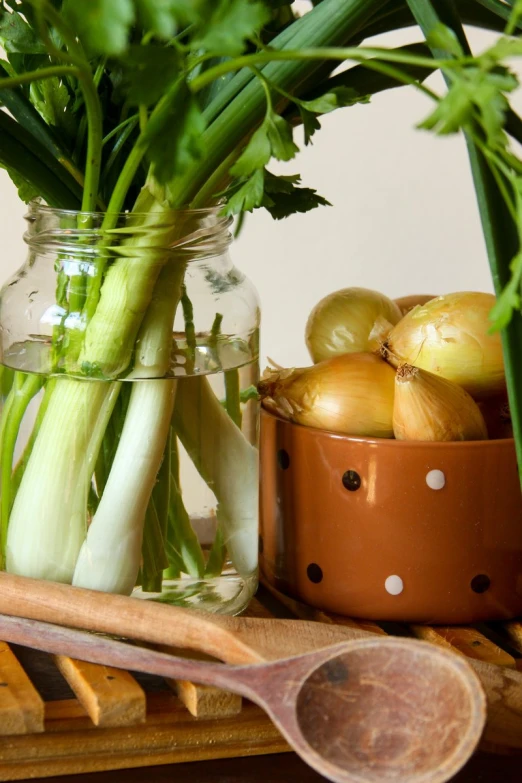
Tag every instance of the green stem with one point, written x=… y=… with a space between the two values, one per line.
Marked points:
x=217 y=556
x=190 y=331
x=22 y=462
x=355 y=54
x=155 y=560
x=118 y=144
x=232 y=397
x=180 y=529
x=114 y=207
x=24 y=389
x=39 y=75
x=94 y=141
x=499 y=228
x=130 y=120
x=123 y=184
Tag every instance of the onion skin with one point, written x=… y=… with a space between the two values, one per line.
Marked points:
x=351 y=320
x=448 y=336
x=407 y=303
x=351 y=394
x=429 y=408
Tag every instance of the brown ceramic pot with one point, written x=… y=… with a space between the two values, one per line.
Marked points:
x=391 y=530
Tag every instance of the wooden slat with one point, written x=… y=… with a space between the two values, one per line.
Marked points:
x=465 y=641
x=111 y=697
x=203 y=701
x=169 y=735
x=206 y=702
x=21 y=708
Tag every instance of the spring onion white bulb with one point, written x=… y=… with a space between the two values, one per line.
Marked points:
x=349 y=321
x=48 y=520
x=110 y=556
x=227 y=462
x=352 y=394
x=449 y=336
x=430 y=408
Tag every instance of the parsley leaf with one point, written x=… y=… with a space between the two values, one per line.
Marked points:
x=229 y=24
x=147 y=73
x=473 y=91
x=157 y=16
x=246 y=195
x=173 y=134
x=336 y=98
x=102 y=25
x=310 y=123
x=26 y=190
x=256 y=154
x=283 y=197
x=17 y=36
x=280 y=136
x=274 y=138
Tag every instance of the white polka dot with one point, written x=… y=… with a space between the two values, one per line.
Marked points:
x=394 y=585
x=435 y=479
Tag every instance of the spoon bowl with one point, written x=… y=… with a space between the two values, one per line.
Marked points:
x=390 y=711
x=367 y=711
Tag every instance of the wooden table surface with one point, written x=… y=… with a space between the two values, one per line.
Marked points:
x=282 y=768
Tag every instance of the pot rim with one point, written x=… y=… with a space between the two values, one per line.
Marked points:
x=396 y=444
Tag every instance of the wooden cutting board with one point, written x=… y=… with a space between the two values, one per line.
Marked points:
x=64 y=717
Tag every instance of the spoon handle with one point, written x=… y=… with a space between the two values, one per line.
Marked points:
x=85 y=646
x=116 y=614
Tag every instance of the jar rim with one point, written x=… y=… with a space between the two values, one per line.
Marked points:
x=200 y=232
x=38 y=204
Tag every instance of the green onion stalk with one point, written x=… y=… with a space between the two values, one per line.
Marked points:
x=194 y=101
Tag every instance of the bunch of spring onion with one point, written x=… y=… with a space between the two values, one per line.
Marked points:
x=434 y=377
x=145 y=106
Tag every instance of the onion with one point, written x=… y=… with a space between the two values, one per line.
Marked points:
x=430 y=408
x=352 y=394
x=449 y=337
x=349 y=321
x=407 y=303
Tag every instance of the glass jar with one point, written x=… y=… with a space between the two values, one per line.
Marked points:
x=129 y=426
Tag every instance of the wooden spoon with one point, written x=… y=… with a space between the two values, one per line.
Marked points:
x=368 y=711
x=231 y=639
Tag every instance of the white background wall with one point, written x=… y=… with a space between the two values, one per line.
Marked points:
x=404 y=218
